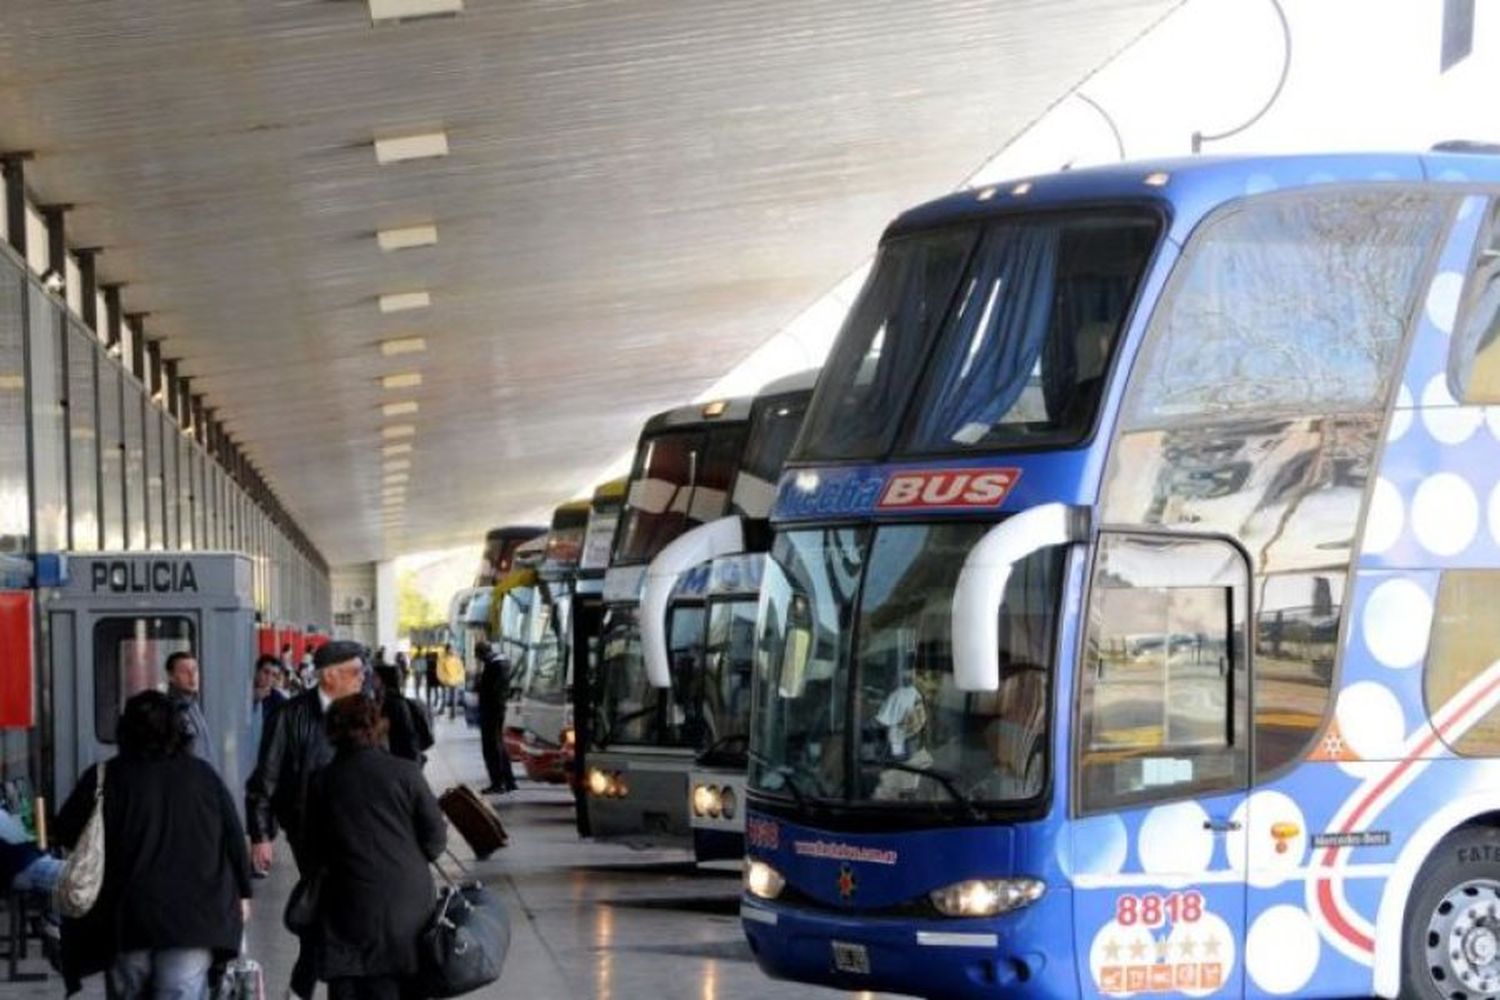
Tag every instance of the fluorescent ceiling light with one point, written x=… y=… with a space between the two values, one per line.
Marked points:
x=396 y=465
x=406 y=237
x=403 y=345
x=404 y=448
x=412 y=10
x=396 y=302
x=393 y=431
x=400 y=409
x=416 y=146
x=403 y=380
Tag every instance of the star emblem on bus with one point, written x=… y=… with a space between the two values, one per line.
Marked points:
x=847 y=882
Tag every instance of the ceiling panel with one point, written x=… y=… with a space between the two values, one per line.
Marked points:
x=636 y=195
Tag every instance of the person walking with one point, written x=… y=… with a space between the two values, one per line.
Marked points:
x=403 y=669
x=176 y=887
x=408 y=732
x=183 y=685
x=374 y=827
x=266 y=696
x=294 y=746
x=494 y=686
x=451 y=675
x=434 y=687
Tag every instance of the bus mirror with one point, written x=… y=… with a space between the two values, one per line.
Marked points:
x=725 y=536
x=981 y=586
x=796 y=654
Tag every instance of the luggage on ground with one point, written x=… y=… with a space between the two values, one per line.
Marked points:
x=464 y=944
x=475 y=820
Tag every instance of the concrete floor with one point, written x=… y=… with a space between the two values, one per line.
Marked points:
x=589 y=920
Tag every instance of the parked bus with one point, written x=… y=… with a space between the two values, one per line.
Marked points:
x=1130 y=626
x=500 y=546
x=642 y=740
x=703 y=589
x=584 y=624
x=543 y=713
x=513 y=603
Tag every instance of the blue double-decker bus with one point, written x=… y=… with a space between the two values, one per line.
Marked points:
x=1130 y=626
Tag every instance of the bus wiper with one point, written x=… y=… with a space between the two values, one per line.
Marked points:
x=724 y=741
x=785 y=771
x=614 y=724
x=946 y=780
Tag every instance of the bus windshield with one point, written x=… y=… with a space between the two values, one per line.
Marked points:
x=774 y=422
x=855 y=698
x=729 y=658
x=681 y=479
x=988 y=336
x=513 y=638
x=547 y=680
x=629 y=709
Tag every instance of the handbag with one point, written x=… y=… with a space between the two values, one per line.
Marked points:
x=301 y=914
x=243 y=979
x=463 y=946
x=82 y=875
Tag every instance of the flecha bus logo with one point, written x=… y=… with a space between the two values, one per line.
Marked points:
x=922 y=489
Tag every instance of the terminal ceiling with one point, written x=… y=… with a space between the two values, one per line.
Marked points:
x=635 y=195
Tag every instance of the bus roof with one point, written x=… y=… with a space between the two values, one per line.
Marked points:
x=611 y=493
x=573 y=514
x=721 y=411
x=802 y=381
x=1192 y=187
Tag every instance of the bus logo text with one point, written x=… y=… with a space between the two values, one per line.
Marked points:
x=948 y=488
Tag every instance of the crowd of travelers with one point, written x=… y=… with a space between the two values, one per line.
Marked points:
x=338 y=776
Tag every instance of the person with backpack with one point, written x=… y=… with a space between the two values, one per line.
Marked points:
x=409 y=732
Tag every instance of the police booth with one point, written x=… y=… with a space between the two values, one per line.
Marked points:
x=112 y=619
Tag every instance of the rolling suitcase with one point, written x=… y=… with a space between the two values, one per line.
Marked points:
x=475 y=820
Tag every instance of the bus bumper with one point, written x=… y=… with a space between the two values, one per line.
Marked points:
x=717 y=845
x=1008 y=956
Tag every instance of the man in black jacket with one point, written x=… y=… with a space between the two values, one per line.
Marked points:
x=295 y=744
x=494 y=681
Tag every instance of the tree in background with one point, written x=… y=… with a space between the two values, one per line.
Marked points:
x=414 y=612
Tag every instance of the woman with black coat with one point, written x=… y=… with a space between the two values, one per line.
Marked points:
x=374 y=827
x=176 y=870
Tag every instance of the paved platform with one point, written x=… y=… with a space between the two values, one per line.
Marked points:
x=590 y=920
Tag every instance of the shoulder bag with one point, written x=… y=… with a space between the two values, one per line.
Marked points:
x=82 y=875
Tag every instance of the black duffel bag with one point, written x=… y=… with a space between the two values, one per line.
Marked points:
x=464 y=943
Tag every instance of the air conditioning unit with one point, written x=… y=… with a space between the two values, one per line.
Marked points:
x=357 y=602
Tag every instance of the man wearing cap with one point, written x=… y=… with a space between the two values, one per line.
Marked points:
x=294 y=745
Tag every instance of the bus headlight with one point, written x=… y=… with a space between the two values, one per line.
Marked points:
x=599 y=782
x=986 y=897
x=568 y=736
x=728 y=802
x=762 y=881
x=705 y=800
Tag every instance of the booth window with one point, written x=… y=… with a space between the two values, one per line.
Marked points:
x=130 y=656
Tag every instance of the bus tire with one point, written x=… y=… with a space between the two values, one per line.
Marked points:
x=1451 y=945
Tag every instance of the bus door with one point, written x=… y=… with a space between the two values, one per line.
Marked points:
x=1161 y=762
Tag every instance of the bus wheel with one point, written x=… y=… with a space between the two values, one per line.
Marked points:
x=1453 y=921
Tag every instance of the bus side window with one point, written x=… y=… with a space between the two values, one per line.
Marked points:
x=1163 y=699
x=1465 y=646
x=1474 y=361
